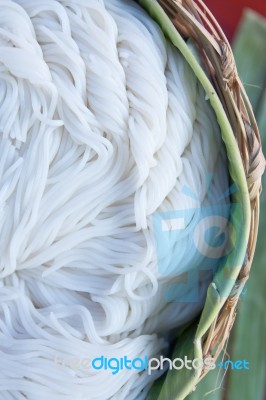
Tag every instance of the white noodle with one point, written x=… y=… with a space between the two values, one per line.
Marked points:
x=103 y=124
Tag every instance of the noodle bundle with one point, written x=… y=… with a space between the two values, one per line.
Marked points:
x=104 y=131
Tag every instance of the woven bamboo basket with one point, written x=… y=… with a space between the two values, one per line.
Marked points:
x=215 y=68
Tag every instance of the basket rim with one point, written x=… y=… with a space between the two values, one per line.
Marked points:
x=193 y=20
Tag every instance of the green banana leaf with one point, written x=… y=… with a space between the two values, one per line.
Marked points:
x=249 y=45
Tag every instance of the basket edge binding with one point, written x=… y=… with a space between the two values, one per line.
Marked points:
x=192 y=19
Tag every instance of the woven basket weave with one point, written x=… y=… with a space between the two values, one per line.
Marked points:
x=187 y=19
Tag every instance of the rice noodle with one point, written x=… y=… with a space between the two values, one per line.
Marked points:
x=102 y=125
